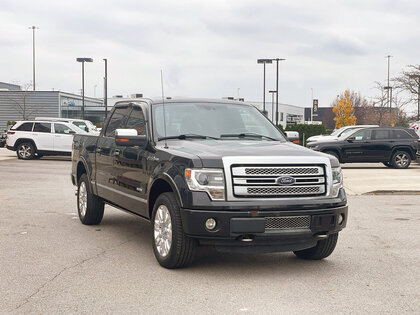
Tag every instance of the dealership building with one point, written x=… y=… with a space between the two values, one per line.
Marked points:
x=17 y=104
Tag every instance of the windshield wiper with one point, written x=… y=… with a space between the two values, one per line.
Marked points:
x=187 y=136
x=245 y=135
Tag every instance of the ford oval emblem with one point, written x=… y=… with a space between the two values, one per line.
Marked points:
x=286 y=180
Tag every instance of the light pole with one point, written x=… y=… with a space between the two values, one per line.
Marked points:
x=264 y=61
x=33 y=28
x=83 y=60
x=272 y=105
x=106 y=87
x=414 y=77
x=387 y=95
x=277 y=89
x=389 y=88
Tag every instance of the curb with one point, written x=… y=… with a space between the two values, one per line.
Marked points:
x=393 y=192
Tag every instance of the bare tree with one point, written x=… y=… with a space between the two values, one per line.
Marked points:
x=19 y=101
x=356 y=99
x=409 y=81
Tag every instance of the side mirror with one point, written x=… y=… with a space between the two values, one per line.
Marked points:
x=351 y=139
x=72 y=132
x=129 y=138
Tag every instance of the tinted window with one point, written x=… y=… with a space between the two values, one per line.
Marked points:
x=381 y=134
x=401 y=134
x=42 y=127
x=365 y=134
x=136 y=121
x=117 y=120
x=25 y=127
x=63 y=129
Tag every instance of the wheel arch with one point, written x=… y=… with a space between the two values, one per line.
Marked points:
x=335 y=150
x=160 y=185
x=22 y=140
x=405 y=149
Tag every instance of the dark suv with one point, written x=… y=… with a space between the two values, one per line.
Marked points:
x=393 y=146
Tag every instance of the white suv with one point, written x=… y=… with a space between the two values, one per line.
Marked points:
x=85 y=125
x=37 y=138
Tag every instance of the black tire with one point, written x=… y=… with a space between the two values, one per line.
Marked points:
x=25 y=151
x=322 y=250
x=401 y=159
x=388 y=164
x=94 y=205
x=182 y=248
x=333 y=153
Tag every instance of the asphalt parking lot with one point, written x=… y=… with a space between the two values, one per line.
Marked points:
x=52 y=264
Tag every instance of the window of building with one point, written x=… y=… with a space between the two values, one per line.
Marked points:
x=42 y=127
x=25 y=127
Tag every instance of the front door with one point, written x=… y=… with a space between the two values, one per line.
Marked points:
x=130 y=172
x=359 y=148
x=63 y=137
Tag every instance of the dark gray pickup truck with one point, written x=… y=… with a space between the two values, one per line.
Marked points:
x=210 y=172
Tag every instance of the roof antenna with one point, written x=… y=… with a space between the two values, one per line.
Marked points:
x=163 y=102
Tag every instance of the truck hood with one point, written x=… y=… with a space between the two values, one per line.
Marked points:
x=211 y=152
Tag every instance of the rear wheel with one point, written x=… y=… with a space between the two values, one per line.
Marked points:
x=90 y=206
x=322 y=250
x=401 y=159
x=172 y=248
x=25 y=151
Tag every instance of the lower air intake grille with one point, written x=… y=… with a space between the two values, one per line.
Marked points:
x=283 y=223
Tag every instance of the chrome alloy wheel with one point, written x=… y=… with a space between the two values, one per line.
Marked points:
x=401 y=160
x=82 y=199
x=25 y=151
x=163 y=230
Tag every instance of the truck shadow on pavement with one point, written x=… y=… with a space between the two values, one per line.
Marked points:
x=207 y=258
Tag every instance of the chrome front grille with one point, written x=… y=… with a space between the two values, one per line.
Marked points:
x=262 y=181
x=287 y=223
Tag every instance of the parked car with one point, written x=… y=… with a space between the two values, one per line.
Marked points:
x=3 y=139
x=85 y=125
x=393 y=146
x=35 y=138
x=337 y=133
x=203 y=176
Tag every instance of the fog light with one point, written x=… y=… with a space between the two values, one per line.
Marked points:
x=210 y=224
x=340 y=219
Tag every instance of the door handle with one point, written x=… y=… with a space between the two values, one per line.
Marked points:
x=117 y=152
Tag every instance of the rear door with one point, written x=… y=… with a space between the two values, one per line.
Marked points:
x=63 y=137
x=382 y=143
x=43 y=137
x=105 y=151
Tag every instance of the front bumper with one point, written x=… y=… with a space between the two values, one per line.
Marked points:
x=244 y=231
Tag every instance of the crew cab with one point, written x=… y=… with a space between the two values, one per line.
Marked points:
x=36 y=138
x=209 y=172
x=393 y=146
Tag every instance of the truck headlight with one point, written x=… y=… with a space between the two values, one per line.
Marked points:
x=211 y=181
x=337 y=177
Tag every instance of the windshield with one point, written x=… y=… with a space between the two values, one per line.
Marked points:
x=213 y=120
x=337 y=132
x=348 y=132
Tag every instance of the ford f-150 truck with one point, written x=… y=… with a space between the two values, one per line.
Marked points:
x=209 y=172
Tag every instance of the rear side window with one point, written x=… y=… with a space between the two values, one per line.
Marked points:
x=81 y=125
x=365 y=134
x=25 y=127
x=136 y=121
x=401 y=134
x=117 y=120
x=381 y=135
x=42 y=127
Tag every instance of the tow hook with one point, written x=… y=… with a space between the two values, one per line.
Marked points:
x=321 y=236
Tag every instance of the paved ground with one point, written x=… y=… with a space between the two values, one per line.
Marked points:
x=52 y=264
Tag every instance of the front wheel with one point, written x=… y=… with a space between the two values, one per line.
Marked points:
x=172 y=248
x=401 y=159
x=90 y=206
x=322 y=250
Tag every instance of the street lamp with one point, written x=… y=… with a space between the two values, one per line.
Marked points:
x=272 y=105
x=264 y=61
x=33 y=28
x=83 y=60
x=414 y=77
x=277 y=89
x=106 y=87
x=389 y=90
